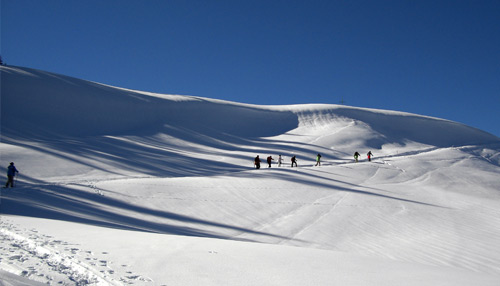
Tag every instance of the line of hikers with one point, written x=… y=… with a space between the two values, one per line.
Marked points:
x=270 y=159
x=11 y=169
x=368 y=155
x=293 y=160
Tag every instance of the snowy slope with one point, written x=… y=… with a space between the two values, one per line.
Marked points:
x=127 y=187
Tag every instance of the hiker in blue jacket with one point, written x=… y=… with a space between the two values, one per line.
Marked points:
x=11 y=173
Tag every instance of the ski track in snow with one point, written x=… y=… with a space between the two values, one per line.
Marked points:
x=318 y=218
x=43 y=258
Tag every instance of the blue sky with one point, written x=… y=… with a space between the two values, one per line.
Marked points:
x=436 y=58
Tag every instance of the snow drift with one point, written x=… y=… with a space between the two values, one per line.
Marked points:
x=129 y=187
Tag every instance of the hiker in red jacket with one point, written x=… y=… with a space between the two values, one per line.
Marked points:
x=269 y=159
x=369 y=155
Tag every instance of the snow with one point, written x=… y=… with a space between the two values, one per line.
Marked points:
x=123 y=187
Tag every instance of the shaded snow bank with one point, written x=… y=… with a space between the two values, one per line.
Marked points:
x=37 y=103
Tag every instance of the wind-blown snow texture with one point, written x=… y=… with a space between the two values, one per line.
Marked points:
x=124 y=187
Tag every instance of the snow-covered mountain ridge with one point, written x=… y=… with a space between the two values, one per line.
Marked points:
x=128 y=187
x=53 y=108
x=57 y=103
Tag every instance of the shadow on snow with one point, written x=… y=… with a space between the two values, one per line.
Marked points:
x=60 y=202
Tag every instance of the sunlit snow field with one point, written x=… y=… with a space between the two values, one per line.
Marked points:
x=122 y=187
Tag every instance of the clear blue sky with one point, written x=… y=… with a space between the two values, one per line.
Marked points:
x=437 y=58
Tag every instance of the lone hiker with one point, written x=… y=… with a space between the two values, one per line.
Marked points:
x=11 y=173
x=257 y=162
x=369 y=155
x=269 y=159
x=356 y=155
x=318 y=160
x=294 y=161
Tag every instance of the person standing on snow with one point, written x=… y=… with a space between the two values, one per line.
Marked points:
x=369 y=155
x=11 y=173
x=318 y=160
x=269 y=159
x=257 y=162
x=294 y=161
x=356 y=155
x=280 y=160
